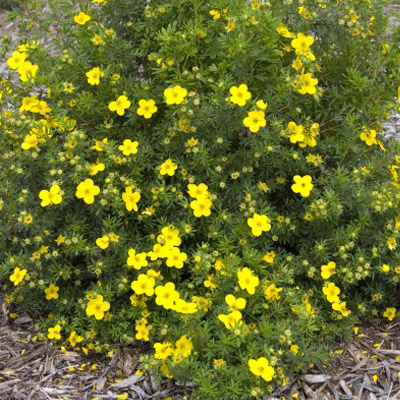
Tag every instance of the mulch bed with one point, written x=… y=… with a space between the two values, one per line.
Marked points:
x=31 y=370
x=367 y=368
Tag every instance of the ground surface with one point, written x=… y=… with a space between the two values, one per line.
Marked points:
x=31 y=370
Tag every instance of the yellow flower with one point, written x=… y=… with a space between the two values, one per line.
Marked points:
x=271 y=292
x=331 y=291
x=302 y=185
x=255 y=120
x=99 y=144
x=97 y=307
x=297 y=132
x=304 y=13
x=230 y=26
x=113 y=237
x=94 y=76
x=166 y=295
x=168 y=167
x=175 y=258
x=18 y=275
x=269 y=257
x=28 y=219
x=175 y=95
x=328 y=270
x=40 y=108
x=158 y=252
x=16 y=60
x=192 y=142
x=136 y=260
x=235 y=303
x=60 y=239
x=52 y=292
x=142 y=332
x=197 y=191
x=398 y=94
x=167 y=62
x=50 y=197
x=218 y=363
x=239 y=94
x=294 y=349
x=54 y=333
x=309 y=137
x=96 y=168
x=30 y=141
x=390 y=313
x=297 y=64
x=259 y=224
x=248 y=280
x=103 y=242
x=385 y=268
x=147 y=108
x=27 y=70
x=81 y=18
x=74 y=339
x=97 y=40
x=143 y=285
x=23 y=48
x=68 y=87
x=131 y=199
x=183 y=346
x=231 y=320
x=369 y=137
x=341 y=307
x=163 y=350
x=201 y=207
x=261 y=105
x=128 y=147
x=284 y=31
x=203 y=303
x=169 y=237
x=263 y=186
x=28 y=103
x=210 y=282
x=166 y=371
x=261 y=367
x=120 y=105
x=87 y=190
x=215 y=14
x=307 y=84
x=302 y=44
x=184 y=307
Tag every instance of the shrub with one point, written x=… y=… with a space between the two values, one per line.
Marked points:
x=205 y=178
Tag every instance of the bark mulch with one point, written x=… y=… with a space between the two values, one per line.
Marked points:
x=366 y=368
x=31 y=370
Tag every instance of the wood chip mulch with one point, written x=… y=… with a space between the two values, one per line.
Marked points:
x=31 y=370
x=366 y=368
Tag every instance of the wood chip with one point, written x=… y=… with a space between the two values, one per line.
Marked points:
x=313 y=379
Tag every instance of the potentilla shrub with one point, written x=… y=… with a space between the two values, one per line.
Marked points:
x=205 y=179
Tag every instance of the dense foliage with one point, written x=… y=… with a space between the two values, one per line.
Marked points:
x=207 y=178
